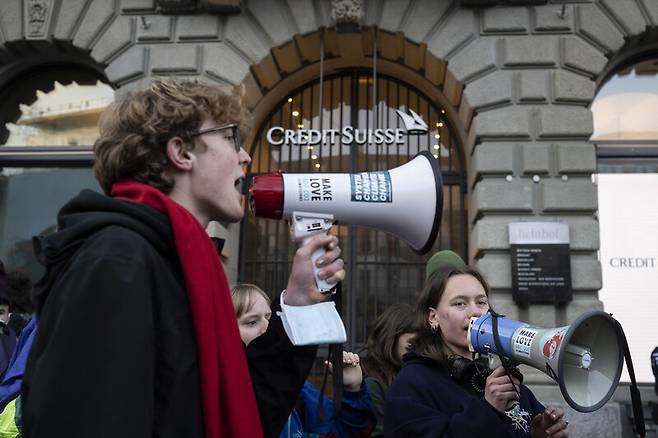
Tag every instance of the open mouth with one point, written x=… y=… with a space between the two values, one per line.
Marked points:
x=239 y=183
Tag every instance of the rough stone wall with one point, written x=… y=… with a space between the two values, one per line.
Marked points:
x=529 y=75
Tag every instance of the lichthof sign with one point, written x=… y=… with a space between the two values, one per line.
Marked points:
x=348 y=135
x=541 y=265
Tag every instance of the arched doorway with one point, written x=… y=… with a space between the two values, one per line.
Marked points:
x=381 y=268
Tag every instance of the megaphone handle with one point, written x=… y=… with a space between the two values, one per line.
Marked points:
x=305 y=225
x=323 y=286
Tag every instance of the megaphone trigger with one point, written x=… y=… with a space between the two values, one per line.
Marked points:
x=304 y=226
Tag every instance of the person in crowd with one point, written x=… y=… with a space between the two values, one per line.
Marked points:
x=7 y=335
x=20 y=301
x=441 y=260
x=252 y=309
x=654 y=368
x=390 y=338
x=355 y=419
x=4 y=291
x=21 y=322
x=136 y=330
x=440 y=391
x=4 y=307
x=10 y=386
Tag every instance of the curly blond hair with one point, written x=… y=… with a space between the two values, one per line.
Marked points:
x=134 y=131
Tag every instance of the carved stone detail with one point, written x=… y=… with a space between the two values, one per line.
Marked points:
x=37 y=13
x=347 y=13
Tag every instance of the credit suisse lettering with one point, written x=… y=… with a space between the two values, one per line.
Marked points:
x=278 y=136
x=633 y=262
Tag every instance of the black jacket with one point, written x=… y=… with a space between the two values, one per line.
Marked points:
x=115 y=354
x=425 y=401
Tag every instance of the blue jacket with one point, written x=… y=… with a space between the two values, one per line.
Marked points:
x=7 y=346
x=13 y=378
x=355 y=419
x=425 y=401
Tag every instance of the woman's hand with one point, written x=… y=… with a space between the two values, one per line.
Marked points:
x=550 y=423
x=498 y=390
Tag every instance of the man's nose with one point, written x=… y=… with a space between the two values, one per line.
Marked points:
x=245 y=159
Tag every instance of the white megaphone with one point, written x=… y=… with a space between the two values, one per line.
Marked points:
x=584 y=358
x=406 y=201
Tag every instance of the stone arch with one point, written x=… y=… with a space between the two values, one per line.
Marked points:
x=298 y=61
x=636 y=48
x=295 y=64
x=523 y=75
x=28 y=66
x=44 y=41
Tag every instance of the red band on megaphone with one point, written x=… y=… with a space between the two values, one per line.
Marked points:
x=266 y=195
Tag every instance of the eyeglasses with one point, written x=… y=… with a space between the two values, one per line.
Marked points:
x=234 y=138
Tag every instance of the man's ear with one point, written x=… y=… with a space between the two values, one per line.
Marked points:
x=177 y=155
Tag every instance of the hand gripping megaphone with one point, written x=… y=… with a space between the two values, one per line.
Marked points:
x=406 y=201
x=584 y=358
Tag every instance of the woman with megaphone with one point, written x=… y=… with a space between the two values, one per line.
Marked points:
x=443 y=390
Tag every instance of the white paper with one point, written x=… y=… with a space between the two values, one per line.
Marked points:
x=313 y=325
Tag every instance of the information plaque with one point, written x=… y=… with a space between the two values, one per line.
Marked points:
x=541 y=265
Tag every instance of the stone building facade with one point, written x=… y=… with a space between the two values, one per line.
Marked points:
x=516 y=79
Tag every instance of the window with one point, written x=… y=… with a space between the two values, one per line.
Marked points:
x=42 y=167
x=29 y=201
x=626 y=137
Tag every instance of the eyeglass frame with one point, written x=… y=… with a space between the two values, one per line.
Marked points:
x=237 y=144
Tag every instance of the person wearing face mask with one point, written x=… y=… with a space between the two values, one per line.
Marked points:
x=441 y=391
x=252 y=309
x=356 y=419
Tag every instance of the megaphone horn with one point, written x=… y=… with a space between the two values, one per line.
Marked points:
x=406 y=201
x=584 y=358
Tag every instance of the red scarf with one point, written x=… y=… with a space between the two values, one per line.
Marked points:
x=229 y=404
